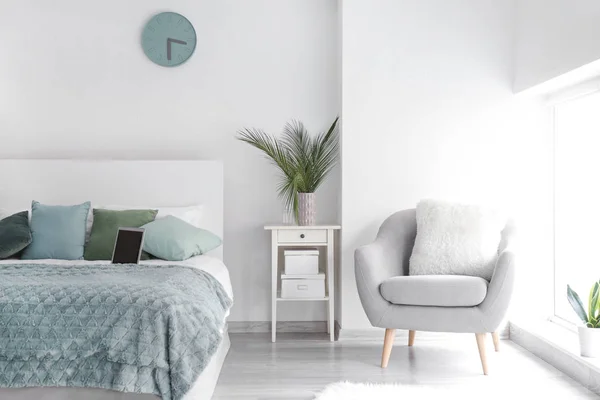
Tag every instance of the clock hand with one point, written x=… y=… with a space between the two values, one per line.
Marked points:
x=169 y=41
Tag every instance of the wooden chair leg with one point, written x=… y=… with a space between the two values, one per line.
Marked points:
x=411 y=337
x=480 y=337
x=496 y=339
x=390 y=335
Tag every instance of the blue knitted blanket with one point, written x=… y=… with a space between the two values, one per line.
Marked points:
x=131 y=328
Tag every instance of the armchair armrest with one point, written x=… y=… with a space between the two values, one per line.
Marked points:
x=386 y=257
x=500 y=290
x=369 y=270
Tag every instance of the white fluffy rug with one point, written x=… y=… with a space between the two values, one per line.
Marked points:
x=485 y=390
x=368 y=391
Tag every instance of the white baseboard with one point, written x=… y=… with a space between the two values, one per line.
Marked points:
x=340 y=333
x=282 y=326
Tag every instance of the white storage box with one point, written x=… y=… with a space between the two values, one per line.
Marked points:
x=302 y=286
x=301 y=262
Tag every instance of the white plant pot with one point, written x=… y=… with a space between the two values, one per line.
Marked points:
x=307 y=209
x=589 y=341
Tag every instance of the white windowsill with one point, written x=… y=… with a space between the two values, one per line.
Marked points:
x=556 y=342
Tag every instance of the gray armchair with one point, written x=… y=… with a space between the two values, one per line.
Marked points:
x=437 y=303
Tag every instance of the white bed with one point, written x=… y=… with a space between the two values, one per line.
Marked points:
x=159 y=183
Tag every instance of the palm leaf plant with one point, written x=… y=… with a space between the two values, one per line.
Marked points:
x=591 y=319
x=304 y=161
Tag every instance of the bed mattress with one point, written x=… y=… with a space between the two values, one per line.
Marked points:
x=204 y=384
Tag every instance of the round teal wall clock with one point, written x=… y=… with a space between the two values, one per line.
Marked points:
x=169 y=39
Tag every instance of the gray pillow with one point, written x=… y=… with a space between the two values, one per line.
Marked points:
x=172 y=239
x=15 y=234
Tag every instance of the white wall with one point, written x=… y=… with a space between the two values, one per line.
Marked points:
x=554 y=37
x=75 y=83
x=428 y=111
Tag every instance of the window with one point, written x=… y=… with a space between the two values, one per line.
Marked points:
x=577 y=199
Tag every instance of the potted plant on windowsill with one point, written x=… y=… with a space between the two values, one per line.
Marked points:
x=589 y=333
x=303 y=160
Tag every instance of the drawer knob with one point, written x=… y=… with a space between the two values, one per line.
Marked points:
x=302 y=236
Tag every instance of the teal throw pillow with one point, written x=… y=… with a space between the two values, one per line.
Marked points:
x=57 y=232
x=172 y=239
x=15 y=234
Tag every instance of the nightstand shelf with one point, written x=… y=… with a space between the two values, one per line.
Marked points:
x=320 y=236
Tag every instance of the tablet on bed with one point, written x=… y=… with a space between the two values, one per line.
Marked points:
x=128 y=246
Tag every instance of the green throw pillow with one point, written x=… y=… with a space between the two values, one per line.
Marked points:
x=172 y=239
x=15 y=234
x=106 y=226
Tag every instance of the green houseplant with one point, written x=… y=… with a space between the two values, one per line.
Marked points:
x=589 y=333
x=304 y=161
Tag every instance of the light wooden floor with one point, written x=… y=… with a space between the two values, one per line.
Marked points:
x=300 y=365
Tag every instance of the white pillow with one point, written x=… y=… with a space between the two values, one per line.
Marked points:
x=456 y=239
x=190 y=214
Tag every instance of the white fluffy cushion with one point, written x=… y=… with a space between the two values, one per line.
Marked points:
x=456 y=239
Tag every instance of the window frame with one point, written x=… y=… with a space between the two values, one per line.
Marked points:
x=565 y=95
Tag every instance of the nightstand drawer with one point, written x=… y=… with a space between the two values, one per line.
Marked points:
x=302 y=236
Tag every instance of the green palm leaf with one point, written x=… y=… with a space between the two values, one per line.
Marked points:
x=303 y=161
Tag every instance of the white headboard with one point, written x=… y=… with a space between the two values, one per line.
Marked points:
x=123 y=182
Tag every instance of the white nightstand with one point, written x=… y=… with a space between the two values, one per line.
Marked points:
x=302 y=236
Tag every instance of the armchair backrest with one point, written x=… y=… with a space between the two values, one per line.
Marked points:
x=400 y=231
x=509 y=236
